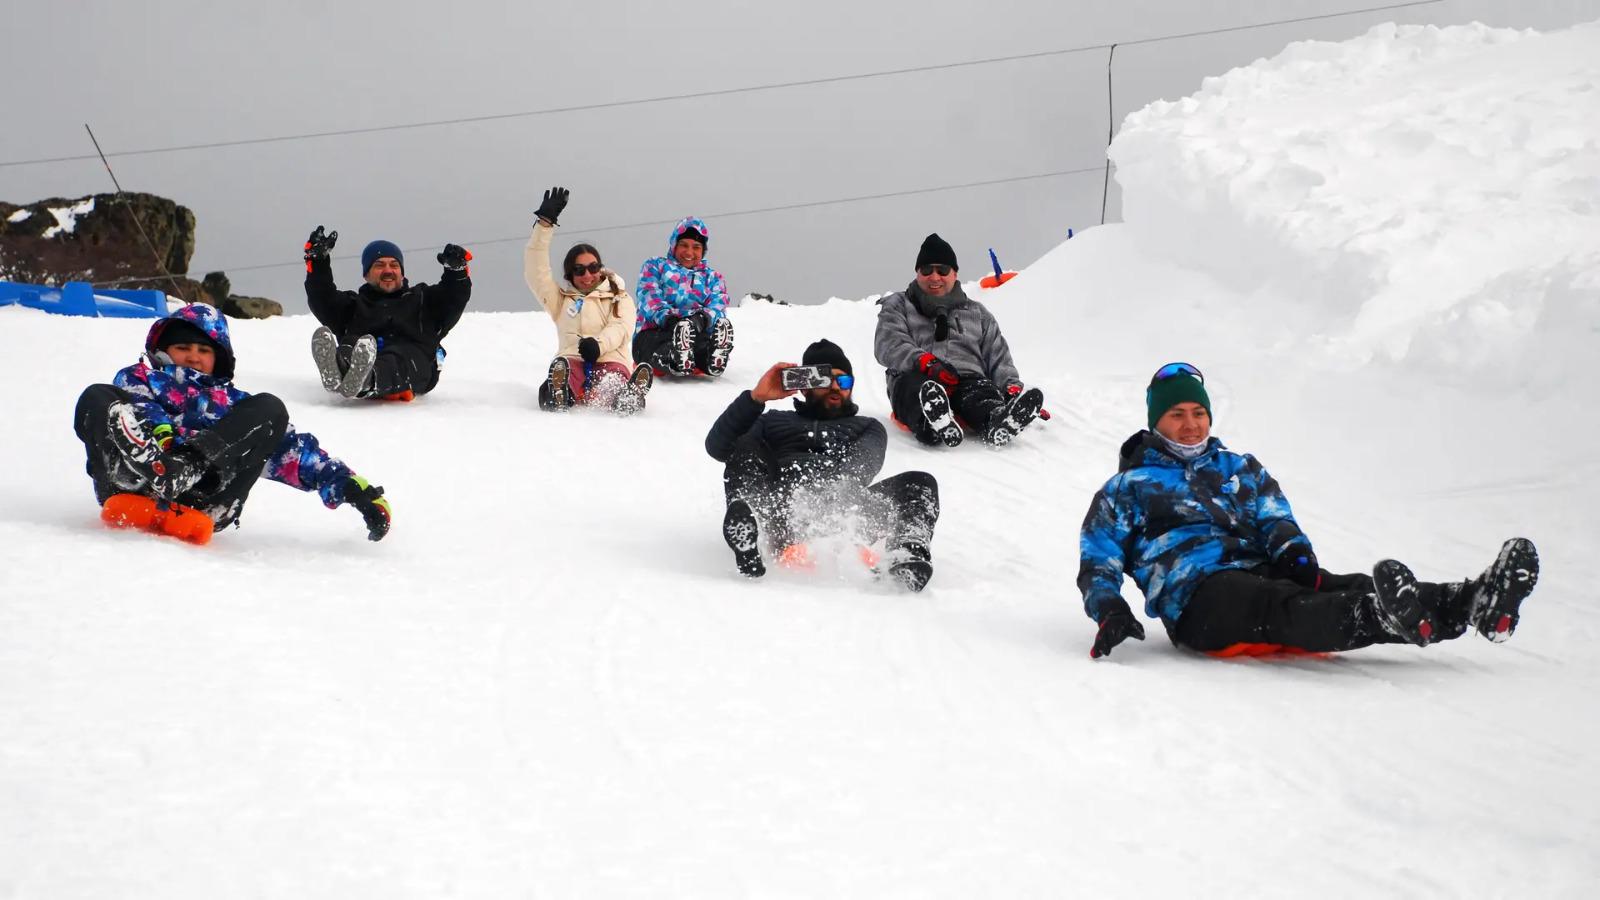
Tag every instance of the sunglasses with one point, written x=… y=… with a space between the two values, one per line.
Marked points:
x=1173 y=370
x=844 y=382
x=931 y=268
x=592 y=269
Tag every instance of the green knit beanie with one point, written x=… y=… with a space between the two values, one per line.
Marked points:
x=1165 y=393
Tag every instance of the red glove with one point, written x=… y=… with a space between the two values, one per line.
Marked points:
x=1013 y=389
x=937 y=369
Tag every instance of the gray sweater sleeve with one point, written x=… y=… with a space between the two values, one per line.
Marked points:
x=893 y=346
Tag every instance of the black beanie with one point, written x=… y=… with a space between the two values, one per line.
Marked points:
x=180 y=331
x=826 y=352
x=935 y=250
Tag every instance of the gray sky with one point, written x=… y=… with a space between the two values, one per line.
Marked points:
x=200 y=71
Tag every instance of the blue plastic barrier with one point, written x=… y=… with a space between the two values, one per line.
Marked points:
x=79 y=298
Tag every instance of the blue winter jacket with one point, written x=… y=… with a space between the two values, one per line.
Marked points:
x=192 y=401
x=666 y=289
x=1170 y=523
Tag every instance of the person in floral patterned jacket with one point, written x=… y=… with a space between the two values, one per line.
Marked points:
x=173 y=432
x=683 y=322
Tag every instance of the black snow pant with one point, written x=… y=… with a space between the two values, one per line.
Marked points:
x=900 y=510
x=653 y=345
x=973 y=401
x=1248 y=606
x=234 y=452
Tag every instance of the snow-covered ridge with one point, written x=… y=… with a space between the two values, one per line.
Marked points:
x=1438 y=189
x=67 y=217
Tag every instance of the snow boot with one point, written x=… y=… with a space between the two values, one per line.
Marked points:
x=1496 y=596
x=912 y=566
x=630 y=399
x=357 y=380
x=325 y=352
x=148 y=514
x=1007 y=421
x=936 y=412
x=721 y=347
x=1398 y=603
x=739 y=529
x=555 y=395
x=678 y=354
x=167 y=472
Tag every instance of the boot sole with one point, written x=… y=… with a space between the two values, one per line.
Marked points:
x=1507 y=583
x=1020 y=412
x=721 y=347
x=560 y=393
x=1399 y=603
x=740 y=530
x=362 y=358
x=936 y=412
x=325 y=352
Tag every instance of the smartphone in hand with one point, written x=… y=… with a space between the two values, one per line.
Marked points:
x=805 y=378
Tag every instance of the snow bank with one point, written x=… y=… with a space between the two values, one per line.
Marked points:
x=1431 y=192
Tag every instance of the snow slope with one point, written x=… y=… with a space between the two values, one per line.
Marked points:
x=550 y=681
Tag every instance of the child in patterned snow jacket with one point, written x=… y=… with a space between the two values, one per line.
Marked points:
x=594 y=316
x=1210 y=540
x=683 y=325
x=173 y=427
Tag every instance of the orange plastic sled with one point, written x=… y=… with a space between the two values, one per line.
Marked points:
x=1247 y=649
x=144 y=513
x=994 y=281
x=405 y=396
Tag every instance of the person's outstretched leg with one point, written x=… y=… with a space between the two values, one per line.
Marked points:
x=905 y=518
x=757 y=503
x=1241 y=606
x=402 y=366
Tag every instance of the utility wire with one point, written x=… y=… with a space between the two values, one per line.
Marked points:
x=810 y=204
x=671 y=98
x=122 y=199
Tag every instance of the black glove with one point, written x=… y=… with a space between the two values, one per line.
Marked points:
x=1298 y=564
x=1116 y=626
x=555 y=200
x=454 y=258
x=939 y=370
x=319 y=245
x=589 y=349
x=369 y=500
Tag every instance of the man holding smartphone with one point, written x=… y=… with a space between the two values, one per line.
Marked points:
x=778 y=462
x=948 y=362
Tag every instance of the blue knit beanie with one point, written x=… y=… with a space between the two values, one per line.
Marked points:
x=376 y=251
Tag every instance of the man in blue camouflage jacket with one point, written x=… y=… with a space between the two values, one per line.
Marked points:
x=1211 y=541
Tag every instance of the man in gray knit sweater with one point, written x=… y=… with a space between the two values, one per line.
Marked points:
x=948 y=362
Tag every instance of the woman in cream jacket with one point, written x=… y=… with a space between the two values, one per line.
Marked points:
x=594 y=316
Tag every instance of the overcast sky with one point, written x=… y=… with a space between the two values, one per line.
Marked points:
x=194 y=71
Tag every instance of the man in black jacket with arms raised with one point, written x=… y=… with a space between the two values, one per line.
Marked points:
x=777 y=460
x=382 y=341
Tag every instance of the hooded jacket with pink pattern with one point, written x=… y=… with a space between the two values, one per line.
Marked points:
x=192 y=401
x=668 y=290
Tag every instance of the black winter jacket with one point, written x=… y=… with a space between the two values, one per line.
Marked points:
x=420 y=314
x=798 y=443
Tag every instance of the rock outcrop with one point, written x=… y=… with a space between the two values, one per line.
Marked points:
x=97 y=239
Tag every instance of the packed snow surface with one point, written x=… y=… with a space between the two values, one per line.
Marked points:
x=550 y=681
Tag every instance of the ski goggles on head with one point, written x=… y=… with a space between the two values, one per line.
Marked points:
x=1174 y=369
x=931 y=268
